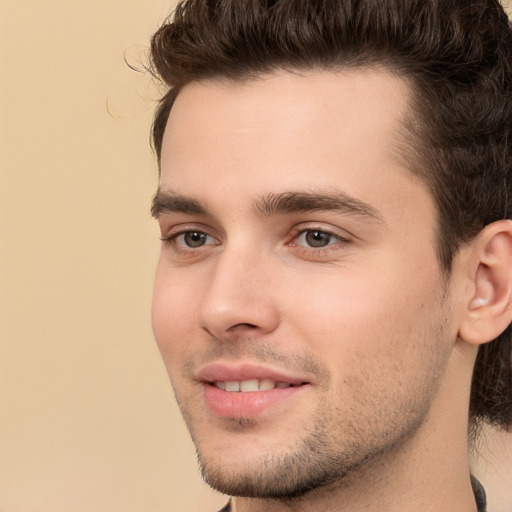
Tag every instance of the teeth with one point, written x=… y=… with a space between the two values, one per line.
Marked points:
x=266 y=384
x=233 y=386
x=251 y=385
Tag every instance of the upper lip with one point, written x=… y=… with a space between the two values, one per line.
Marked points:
x=225 y=372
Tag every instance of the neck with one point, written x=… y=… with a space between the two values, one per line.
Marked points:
x=435 y=482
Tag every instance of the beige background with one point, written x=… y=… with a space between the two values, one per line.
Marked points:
x=87 y=417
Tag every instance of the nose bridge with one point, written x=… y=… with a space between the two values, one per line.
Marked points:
x=238 y=298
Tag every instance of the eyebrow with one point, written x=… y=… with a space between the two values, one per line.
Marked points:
x=273 y=204
x=310 y=202
x=170 y=202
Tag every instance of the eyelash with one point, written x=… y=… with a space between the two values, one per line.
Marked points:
x=300 y=231
x=183 y=250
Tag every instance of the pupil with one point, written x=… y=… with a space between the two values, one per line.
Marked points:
x=318 y=238
x=195 y=239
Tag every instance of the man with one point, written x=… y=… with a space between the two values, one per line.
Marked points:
x=336 y=261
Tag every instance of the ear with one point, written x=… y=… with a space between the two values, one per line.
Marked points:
x=488 y=309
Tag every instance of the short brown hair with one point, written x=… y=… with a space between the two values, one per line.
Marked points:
x=456 y=55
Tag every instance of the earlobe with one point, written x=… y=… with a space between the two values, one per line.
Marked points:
x=489 y=309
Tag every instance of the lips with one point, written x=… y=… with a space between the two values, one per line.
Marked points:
x=248 y=391
x=221 y=372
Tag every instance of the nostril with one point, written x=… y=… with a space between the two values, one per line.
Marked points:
x=242 y=326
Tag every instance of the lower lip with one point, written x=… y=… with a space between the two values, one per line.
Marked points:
x=239 y=404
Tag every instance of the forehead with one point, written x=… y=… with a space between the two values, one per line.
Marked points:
x=374 y=100
x=287 y=131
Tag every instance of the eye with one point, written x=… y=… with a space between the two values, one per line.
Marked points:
x=316 y=238
x=189 y=239
x=192 y=239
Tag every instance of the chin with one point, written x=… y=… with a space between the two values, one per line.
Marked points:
x=284 y=481
x=282 y=473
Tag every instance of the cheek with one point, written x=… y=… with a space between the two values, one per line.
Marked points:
x=382 y=347
x=172 y=313
x=355 y=317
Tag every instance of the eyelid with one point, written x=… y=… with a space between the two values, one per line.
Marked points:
x=173 y=233
x=332 y=238
x=341 y=235
x=334 y=249
x=175 y=236
x=185 y=227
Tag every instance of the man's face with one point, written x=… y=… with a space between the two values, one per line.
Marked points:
x=298 y=302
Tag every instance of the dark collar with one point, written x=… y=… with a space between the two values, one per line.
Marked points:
x=478 y=490
x=226 y=507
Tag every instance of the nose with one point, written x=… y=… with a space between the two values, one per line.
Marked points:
x=239 y=300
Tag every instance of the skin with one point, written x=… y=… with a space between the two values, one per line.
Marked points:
x=369 y=321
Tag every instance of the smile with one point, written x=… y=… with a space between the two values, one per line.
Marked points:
x=246 y=390
x=251 y=385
